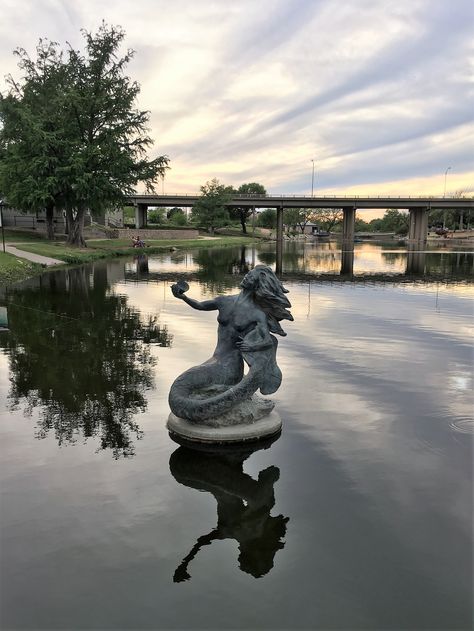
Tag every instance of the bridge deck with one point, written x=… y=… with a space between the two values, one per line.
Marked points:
x=302 y=201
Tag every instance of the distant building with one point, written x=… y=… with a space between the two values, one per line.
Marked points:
x=310 y=228
x=13 y=218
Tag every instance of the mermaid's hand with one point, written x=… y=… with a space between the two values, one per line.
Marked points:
x=177 y=292
x=243 y=346
x=179 y=289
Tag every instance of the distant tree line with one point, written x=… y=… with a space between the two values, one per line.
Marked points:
x=330 y=219
x=393 y=220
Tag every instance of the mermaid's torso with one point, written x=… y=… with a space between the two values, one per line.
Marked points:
x=238 y=321
x=235 y=322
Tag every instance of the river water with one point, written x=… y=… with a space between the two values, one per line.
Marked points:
x=359 y=516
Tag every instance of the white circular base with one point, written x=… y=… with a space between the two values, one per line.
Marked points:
x=264 y=427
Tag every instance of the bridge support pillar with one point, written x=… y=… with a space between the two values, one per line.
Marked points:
x=279 y=243
x=140 y=215
x=416 y=261
x=347 y=259
x=418 y=231
x=348 y=224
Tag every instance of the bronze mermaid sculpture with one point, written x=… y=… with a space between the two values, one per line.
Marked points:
x=246 y=323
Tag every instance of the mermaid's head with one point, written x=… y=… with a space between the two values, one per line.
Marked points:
x=269 y=295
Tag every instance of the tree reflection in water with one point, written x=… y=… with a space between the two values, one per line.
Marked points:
x=81 y=354
x=243 y=505
x=218 y=267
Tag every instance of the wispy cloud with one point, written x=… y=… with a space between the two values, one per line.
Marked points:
x=379 y=94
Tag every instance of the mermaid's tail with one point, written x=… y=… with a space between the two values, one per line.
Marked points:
x=271 y=375
x=188 y=398
x=186 y=401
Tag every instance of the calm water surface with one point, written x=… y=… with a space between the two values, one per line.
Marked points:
x=358 y=517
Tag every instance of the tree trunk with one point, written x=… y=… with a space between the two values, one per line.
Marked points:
x=242 y=221
x=49 y=221
x=76 y=224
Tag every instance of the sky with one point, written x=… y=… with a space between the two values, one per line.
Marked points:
x=376 y=94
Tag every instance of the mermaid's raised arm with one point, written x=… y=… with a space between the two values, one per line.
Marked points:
x=205 y=305
x=178 y=290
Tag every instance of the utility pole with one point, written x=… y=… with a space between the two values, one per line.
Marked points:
x=444 y=195
x=445 y=176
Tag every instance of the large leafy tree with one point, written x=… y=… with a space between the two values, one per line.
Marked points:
x=177 y=216
x=242 y=213
x=452 y=218
x=100 y=134
x=327 y=217
x=393 y=221
x=32 y=144
x=291 y=218
x=304 y=216
x=210 y=210
x=267 y=218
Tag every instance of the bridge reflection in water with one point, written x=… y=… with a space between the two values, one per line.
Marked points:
x=221 y=268
x=243 y=504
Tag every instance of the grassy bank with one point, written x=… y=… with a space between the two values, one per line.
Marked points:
x=23 y=236
x=108 y=248
x=13 y=269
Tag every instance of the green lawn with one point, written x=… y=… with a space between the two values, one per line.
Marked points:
x=106 y=248
x=13 y=269
x=113 y=244
x=57 y=250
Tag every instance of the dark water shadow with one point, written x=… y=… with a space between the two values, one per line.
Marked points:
x=243 y=505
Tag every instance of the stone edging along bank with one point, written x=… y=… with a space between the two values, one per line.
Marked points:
x=128 y=233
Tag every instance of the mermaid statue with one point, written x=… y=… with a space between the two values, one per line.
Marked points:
x=210 y=393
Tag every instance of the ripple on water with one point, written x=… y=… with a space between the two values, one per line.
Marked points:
x=464 y=426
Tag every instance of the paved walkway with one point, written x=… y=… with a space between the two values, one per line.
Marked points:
x=34 y=258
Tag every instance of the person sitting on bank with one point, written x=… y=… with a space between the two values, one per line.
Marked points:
x=137 y=242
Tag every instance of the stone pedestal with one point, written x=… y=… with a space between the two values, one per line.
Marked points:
x=225 y=432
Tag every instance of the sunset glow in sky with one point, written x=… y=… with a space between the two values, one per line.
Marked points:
x=379 y=94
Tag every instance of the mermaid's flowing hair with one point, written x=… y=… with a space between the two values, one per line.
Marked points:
x=269 y=295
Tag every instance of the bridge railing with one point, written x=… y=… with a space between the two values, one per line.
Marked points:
x=275 y=196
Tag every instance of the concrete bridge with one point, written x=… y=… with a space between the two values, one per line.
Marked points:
x=417 y=206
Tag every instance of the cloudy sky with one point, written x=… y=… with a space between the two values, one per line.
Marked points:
x=377 y=92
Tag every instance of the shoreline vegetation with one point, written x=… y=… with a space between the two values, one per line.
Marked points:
x=14 y=269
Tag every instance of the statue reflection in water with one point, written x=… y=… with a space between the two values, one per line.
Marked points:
x=141 y=261
x=243 y=505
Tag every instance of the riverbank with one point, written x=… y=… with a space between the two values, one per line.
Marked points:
x=13 y=269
